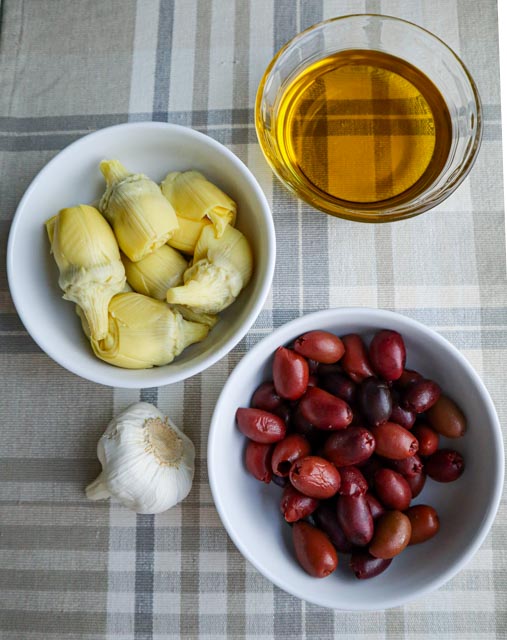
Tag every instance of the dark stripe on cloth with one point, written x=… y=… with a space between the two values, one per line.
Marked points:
x=163 y=60
x=145 y=559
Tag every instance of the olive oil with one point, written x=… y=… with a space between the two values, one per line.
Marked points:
x=363 y=127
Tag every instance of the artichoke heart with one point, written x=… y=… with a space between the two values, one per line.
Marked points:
x=194 y=197
x=186 y=236
x=155 y=274
x=208 y=319
x=88 y=258
x=144 y=333
x=142 y=219
x=221 y=268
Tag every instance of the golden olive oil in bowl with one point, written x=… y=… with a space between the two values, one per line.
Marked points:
x=366 y=133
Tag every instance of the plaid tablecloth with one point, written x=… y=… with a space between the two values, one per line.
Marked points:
x=73 y=569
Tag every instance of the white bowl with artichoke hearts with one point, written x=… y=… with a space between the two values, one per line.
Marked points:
x=73 y=178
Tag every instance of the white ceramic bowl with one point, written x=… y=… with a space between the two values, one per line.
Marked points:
x=73 y=177
x=250 y=509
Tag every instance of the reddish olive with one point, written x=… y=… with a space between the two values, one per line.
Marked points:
x=258 y=460
x=394 y=442
x=421 y=396
x=428 y=439
x=287 y=451
x=408 y=377
x=320 y=346
x=353 y=483
x=315 y=477
x=365 y=566
x=446 y=418
x=392 y=489
x=324 y=411
x=408 y=467
x=387 y=354
x=350 y=446
x=376 y=508
x=314 y=550
x=355 y=359
x=416 y=483
x=260 y=426
x=266 y=398
x=392 y=535
x=404 y=417
x=340 y=386
x=290 y=373
x=296 y=506
x=445 y=465
x=354 y=517
x=425 y=523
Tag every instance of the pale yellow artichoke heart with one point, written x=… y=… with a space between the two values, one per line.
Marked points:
x=194 y=197
x=186 y=236
x=144 y=333
x=208 y=319
x=142 y=219
x=221 y=268
x=88 y=258
x=155 y=274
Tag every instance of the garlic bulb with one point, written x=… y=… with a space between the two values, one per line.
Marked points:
x=147 y=462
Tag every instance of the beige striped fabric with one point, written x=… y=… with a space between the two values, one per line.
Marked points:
x=70 y=569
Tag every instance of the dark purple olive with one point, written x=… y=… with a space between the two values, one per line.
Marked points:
x=349 y=446
x=408 y=467
x=365 y=566
x=376 y=507
x=326 y=519
x=266 y=398
x=416 y=483
x=340 y=386
x=354 y=517
x=375 y=401
x=445 y=465
x=408 y=377
x=421 y=396
x=402 y=416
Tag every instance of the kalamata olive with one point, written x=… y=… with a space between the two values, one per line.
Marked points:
x=287 y=451
x=313 y=366
x=266 y=398
x=394 y=442
x=375 y=401
x=355 y=359
x=353 y=483
x=279 y=481
x=350 y=446
x=300 y=424
x=326 y=519
x=421 y=396
x=427 y=438
x=445 y=465
x=321 y=346
x=314 y=550
x=447 y=418
x=290 y=374
x=404 y=417
x=392 y=489
x=387 y=354
x=328 y=369
x=260 y=426
x=408 y=467
x=315 y=477
x=408 y=377
x=416 y=483
x=424 y=521
x=296 y=506
x=392 y=535
x=354 y=517
x=340 y=386
x=324 y=411
x=365 y=566
x=376 y=508
x=258 y=460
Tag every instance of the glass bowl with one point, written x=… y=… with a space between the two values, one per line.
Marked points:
x=394 y=37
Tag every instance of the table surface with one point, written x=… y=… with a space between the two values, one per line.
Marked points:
x=73 y=569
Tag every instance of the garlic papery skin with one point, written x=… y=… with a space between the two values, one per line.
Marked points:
x=147 y=462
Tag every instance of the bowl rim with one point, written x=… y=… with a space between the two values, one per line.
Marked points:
x=395 y=213
x=282 y=335
x=206 y=360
